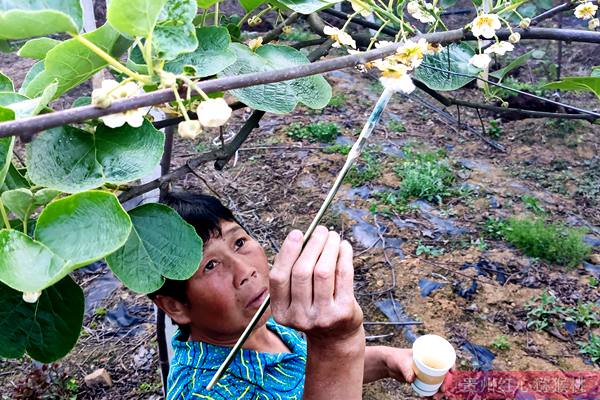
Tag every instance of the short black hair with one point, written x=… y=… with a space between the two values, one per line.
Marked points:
x=205 y=213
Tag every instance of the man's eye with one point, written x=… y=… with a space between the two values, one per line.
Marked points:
x=240 y=242
x=210 y=265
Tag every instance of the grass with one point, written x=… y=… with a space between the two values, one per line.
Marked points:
x=337 y=100
x=501 y=343
x=495 y=129
x=428 y=250
x=367 y=170
x=342 y=149
x=324 y=132
x=588 y=185
x=388 y=203
x=426 y=175
x=552 y=242
x=396 y=126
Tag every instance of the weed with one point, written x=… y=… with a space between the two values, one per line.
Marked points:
x=48 y=382
x=588 y=185
x=585 y=314
x=592 y=281
x=389 y=203
x=342 y=149
x=552 y=242
x=532 y=204
x=146 y=387
x=337 y=100
x=425 y=175
x=368 y=170
x=100 y=312
x=563 y=127
x=501 y=343
x=495 y=129
x=534 y=88
x=480 y=244
x=591 y=348
x=396 y=126
x=428 y=250
x=543 y=311
x=376 y=86
x=324 y=132
x=495 y=227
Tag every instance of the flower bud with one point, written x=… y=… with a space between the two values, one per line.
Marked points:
x=287 y=29
x=189 y=129
x=31 y=297
x=504 y=104
x=514 y=37
x=101 y=98
x=213 y=112
x=594 y=23
x=525 y=22
x=255 y=43
x=167 y=79
x=253 y=21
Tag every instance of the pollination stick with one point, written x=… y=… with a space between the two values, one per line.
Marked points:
x=354 y=153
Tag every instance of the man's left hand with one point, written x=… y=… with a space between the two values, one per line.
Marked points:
x=388 y=362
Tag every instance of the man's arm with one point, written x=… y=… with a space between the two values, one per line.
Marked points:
x=388 y=362
x=312 y=291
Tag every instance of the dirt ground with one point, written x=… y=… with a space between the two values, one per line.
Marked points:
x=278 y=184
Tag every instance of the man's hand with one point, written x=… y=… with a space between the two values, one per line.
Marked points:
x=312 y=291
x=388 y=362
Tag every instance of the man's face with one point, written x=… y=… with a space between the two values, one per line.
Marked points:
x=229 y=286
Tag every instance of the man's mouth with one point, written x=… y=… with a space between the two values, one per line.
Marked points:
x=257 y=300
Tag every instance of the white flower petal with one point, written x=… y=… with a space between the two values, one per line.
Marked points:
x=113 y=120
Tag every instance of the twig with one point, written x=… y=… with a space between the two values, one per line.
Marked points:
x=30 y=126
x=402 y=323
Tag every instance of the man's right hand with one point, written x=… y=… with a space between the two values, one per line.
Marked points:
x=312 y=291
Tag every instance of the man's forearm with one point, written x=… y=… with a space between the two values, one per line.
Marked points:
x=334 y=370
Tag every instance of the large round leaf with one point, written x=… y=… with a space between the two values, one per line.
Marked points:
x=48 y=329
x=134 y=17
x=454 y=58
x=72 y=160
x=210 y=57
x=279 y=97
x=175 y=33
x=21 y=19
x=83 y=227
x=27 y=265
x=150 y=255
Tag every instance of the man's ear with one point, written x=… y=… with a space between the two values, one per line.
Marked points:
x=175 y=309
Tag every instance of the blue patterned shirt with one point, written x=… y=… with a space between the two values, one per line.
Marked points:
x=251 y=375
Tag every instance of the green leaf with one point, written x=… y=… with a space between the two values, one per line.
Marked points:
x=279 y=97
x=81 y=101
x=33 y=72
x=14 y=179
x=135 y=18
x=6 y=84
x=27 y=265
x=20 y=19
x=6 y=145
x=24 y=107
x=38 y=48
x=514 y=64
x=71 y=63
x=577 y=83
x=305 y=6
x=48 y=329
x=459 y=55
x=595 y=72
x=212 y=55
x=84 y=227
x=206 y=3
x=22 y=202
x=175 y=32
x=72 y=160
x=150 y=255
x=250 y=5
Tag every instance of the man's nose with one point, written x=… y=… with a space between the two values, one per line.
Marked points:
x=243 y=272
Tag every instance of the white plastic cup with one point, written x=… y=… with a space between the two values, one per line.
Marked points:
x=433 y=356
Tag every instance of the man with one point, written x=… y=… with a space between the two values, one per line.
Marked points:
x=311 y=291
